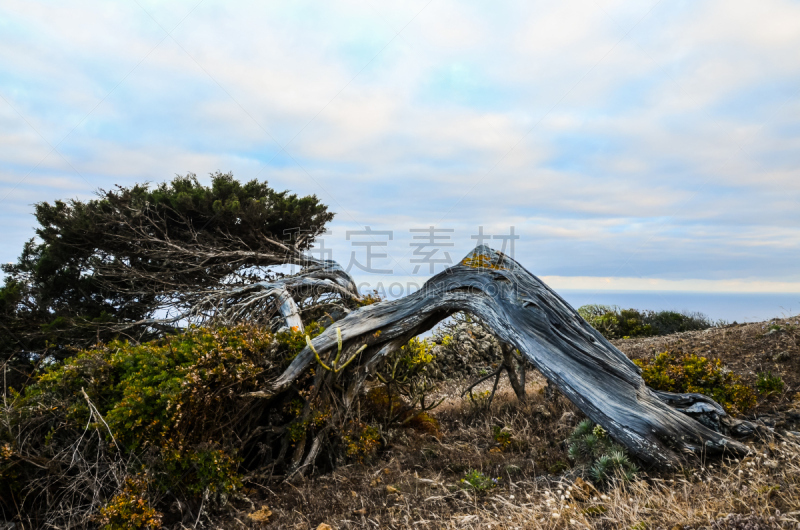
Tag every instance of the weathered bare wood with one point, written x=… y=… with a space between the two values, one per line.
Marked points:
x=289 y=310
x=232 y=304
x=517 y=382
x=524 y=312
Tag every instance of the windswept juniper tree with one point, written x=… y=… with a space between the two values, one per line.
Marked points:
x=142 y=262
x=138 y=262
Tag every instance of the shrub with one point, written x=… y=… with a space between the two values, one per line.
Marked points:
x=502 y=437
x=292 y=341
x=768 y=384
x=691 y=373
x=180 y=411
x=151 y=408
x=369 y=299
x=616 y=323
x=425 y=423
x=666 y=322
x=129 y=509
x=176 y=389
x=361 y=441
x=199 y=469
x=406 y=386
x=479 y=482
x=590 y=445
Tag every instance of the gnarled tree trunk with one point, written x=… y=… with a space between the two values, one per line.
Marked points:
x=525 y=313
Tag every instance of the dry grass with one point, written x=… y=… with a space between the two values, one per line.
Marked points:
x=416 y=483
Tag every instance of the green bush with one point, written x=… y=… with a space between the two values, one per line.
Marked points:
x=589 y=444
x=667 y=322
x=477 y=481
x=616 y=323
x=502 y=437
x=690 y=373
x=169 y=409
x=292 y=341
x=174 y=390
x=129 y=509
x=768 y=384
x=407 y=389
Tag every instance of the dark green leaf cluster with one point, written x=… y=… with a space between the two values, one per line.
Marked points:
x=616 y=323
x=589 y=444
x=769 y=384
x=478 y=482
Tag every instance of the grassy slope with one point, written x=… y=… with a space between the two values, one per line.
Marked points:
x=416 y=481
x=746 y=349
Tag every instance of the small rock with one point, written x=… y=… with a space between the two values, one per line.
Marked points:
x=392 y=489
x=324 y=526
x=360 y=511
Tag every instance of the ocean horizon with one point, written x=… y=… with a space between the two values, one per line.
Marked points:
x=730 y=307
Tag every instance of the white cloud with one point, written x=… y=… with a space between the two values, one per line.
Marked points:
x=599 y=128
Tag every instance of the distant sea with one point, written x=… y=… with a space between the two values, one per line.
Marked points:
x=731 y=307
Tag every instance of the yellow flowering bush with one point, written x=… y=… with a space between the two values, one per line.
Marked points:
x=691 y=373
x=129 y=509
x=158 y=404
x=361 y=441
x=406 y=390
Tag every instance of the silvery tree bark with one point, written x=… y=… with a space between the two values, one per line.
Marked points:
x=525 y=313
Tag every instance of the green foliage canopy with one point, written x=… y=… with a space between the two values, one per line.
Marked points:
x=133 y=251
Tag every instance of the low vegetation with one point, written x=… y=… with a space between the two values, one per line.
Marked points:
x=590 y=445
x=616 y=323
x=691 y=373
x=151 y=423
x=162 y=434
x=769 y=384
x=164 y=429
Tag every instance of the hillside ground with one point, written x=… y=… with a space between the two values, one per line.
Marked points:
x=516 y=455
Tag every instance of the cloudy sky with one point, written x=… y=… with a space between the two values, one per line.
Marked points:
x=630 y=145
